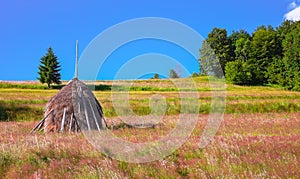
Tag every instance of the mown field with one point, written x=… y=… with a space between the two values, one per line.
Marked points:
x=258 y=138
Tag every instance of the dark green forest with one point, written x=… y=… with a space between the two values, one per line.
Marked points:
x=268 y=56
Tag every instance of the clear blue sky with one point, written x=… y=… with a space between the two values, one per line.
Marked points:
x=29 y=27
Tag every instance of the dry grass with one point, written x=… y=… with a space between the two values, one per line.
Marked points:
x=248 y=145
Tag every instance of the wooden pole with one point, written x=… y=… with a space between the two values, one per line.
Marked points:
x=63 y=121
x=76 y=67
x=94 y=115
x=85 y=109
x=40 y=124
x=71 y=121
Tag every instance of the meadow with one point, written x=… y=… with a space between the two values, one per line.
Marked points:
x=258 y=138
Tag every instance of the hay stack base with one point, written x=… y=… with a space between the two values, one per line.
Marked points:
x=72 y=109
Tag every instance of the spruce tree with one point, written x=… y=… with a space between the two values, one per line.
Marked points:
x=49 y=69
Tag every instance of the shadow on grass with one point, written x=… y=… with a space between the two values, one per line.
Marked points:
x=120 y=126
x=128 y=126
x=3 y=113
x=16 y=112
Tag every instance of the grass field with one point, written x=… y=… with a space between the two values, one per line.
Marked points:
x=259 y=137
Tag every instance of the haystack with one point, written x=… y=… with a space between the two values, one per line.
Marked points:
x=73 y=108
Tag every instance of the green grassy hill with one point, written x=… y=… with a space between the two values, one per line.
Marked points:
x=258 y=138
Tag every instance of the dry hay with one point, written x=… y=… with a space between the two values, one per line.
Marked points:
x=73 y=108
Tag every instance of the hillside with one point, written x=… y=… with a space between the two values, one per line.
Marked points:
x=259 y=136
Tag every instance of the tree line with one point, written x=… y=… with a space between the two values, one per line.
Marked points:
x=267 y=56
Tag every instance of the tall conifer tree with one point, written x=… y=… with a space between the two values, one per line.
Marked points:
x=49 y=69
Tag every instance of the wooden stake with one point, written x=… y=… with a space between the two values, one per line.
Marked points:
x=85 y=110
x=63 y=121
x=41 y=122
x=71 y=121
x=100 y=112
x=95 y=118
